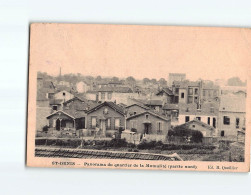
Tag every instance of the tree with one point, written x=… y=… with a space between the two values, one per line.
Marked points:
x=146 y=80
x=235 y=81
x=154 y=81
x=98 y=78
x=162 y=82
x=130 y=80
x=116 y=79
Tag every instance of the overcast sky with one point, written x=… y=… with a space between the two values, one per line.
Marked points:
x=141 y=51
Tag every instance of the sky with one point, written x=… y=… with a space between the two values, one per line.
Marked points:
x=141 y=51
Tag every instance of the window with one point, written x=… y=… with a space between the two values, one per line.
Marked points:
x=54 y=108
x=196 y=91
x=222 y=133
x=63 y=93
x=193 y=126
x=134 y=113
x=108 y=123
x=212 y=109
x=159 y=126
x=187 y=118
x=214 y=122
x=237 y=123
x=105 y=111
x=198 y=118
x=190 y=99
x=196 y=99
x=176 y=90
x=109 y=96
x=94 y=122
x=102 y=96
x=190 y=91
x=182 y=95
x=226 y=120
x=157 y=108
x=117 y=123
x=204 y=93
x=134 y=124
x=147 y=116
x=208 y=120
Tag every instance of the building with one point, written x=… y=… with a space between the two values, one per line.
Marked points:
x=63 y=95
x=172 y=110
x=116 y=94
x=91 y=95
x=82 y=87
x=207 y=112
x=66 y=120
x=166 y=95
x=204 y=128
x=136 y=108
x=149 y=123
x=175 y=77
x=232 y=115
x=107 y=116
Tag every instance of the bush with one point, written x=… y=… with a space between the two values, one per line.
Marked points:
x=45 y=128
x=180 y=131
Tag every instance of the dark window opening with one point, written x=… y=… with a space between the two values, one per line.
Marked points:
x=226 y=120
x=237 y=123
x=63 y=93
x=187 y=118
x=147 y=116
x=222 y=133
x=54 y=108
x=208 y=120
x=198 y=118
x=214 y=122
x=182 y=95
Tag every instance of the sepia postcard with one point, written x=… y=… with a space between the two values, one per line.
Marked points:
x=139 y=97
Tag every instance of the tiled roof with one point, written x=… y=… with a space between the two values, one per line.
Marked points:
x=56 y=101
x=200 y=123
x=138 y=104
x=171 y=107
x=116 y=89
x=102 y=154
x=165 y=90
x=154 y=103
x=110 y=104
x=148 y=112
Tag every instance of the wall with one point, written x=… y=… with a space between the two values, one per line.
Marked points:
x=111 y=114
x=206 y=132
x=153 y=119
x=135 y=108
x=65 y=97
x=183 y=100
x=230 y=130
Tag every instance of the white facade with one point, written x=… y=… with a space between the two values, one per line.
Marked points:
x=82 y=87
x=63 y=95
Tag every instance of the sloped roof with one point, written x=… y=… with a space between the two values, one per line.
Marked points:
x=198 y=122
x=149 y=112
x=116 y=89
x=140 y=105
x=154 y=102
x=76 y=98
x=171 y=107
x=166 y=90
x=56 y=101
x=110 y=104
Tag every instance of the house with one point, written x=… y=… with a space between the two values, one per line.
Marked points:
x=155 y=105
x=108 y=116
x=115 y=94
x=149 y=123
x=63 y=95
x=66 y=120
x=166 y=95
x=173 y=111
x=82 y=87
x=91 y=95
x=136 y=108
x=206 y=112
x=204 y=128
x=232 y=115
x=78 y=104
